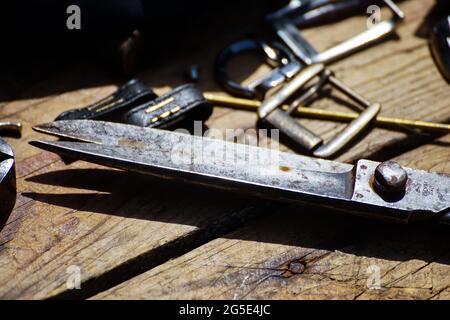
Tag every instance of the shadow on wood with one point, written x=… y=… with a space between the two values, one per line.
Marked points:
x=303 y=226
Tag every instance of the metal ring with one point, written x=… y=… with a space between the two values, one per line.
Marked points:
x=244 y=46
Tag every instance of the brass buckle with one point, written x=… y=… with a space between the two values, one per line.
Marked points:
x=271 y=112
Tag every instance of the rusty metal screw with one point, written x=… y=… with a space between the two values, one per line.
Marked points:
x=390 y=177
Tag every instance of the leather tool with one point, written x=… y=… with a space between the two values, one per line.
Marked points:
x=135 y=103
x=123 y=99
x=182 y=104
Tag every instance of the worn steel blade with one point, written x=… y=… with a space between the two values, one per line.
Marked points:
x=264 y=172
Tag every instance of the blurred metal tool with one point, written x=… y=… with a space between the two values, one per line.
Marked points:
x=7 y=173
x=314 y=113
x=440 y=46
x=305 y=13
x=286 y=28
x=375 y=190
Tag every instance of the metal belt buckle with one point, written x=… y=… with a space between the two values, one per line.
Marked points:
x=285 y=66
x=271 y=112
x=286 y=28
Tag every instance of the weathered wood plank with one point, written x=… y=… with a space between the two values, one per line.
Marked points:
x=305 y=253
x=97 y=224
x=111 y=233
x=80 y=216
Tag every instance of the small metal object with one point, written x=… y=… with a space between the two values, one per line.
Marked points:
x=287 y=30
x=194 y=74
x=258 y=171
x=440 y=46
x=390 y=177
x=303 y=136
x=278 y=56
x=7 y=173
x=240 y=103
x=11 y=126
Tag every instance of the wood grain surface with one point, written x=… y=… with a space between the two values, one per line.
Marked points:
x=121 y=228
x=306 y=253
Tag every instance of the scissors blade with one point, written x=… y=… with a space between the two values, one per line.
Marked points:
x=215 y=163
x=118 y=134
x=260 y=171
x=99 y=132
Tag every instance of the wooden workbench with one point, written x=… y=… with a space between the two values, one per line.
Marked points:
x=137 y=237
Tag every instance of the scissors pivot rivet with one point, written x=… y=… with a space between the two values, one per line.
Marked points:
x=390 y=177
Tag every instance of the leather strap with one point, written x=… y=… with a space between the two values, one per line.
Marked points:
x=123 y=99
x=184 y=103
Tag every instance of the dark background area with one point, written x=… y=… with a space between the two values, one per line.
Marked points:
x=37 y=29
x=35 y=36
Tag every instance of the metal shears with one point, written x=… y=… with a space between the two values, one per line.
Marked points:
x=376 y=190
